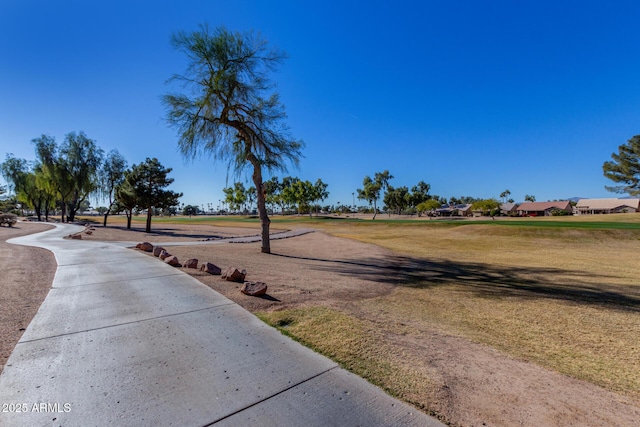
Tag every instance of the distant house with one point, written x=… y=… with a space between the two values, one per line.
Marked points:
x=606 y=206
x=508 y=208
x=543 y=208
x=455 y=210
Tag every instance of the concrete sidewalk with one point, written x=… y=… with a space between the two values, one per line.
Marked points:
x=125 y=340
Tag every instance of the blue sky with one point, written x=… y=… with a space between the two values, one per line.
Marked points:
x=472 y=97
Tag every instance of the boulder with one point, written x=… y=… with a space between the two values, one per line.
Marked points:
x=164 y=254
x=232 y=274
x=145 y=246
x=89 y=232
x=207 y=267
x=8 y=219
x=254 y=288
x=191 y=263
x=75 y=236
x=157 y=250
x=173 y=261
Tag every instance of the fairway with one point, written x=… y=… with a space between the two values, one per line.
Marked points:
x=561 y=293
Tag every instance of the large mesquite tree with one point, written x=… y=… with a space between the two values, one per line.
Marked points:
x=230 y=110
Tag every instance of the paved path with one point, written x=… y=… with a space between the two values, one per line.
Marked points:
x=244 y=239
x=125 y=340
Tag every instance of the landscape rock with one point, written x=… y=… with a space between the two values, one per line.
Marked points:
x=75 y=236
x=8 y=219
x=157 y=250
x=164 y=254
x=232 y=274
x=173 y=261
x=145 y=246
x=89 y=232
x=254 y=288
x=207 y=267
x=191 y=263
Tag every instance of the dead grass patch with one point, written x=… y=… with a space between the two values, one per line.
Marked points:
x=357 y=345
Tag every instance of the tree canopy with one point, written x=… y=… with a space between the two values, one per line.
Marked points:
x=28 y=183
x=68 y=171
x=428 y=206
x=371 y=188
x=82 y=159
x=126 y=197
x=397 y=199
x=488 y=207
x=111 y=175
x=230 y=110
x=625 y=168
x=148 y=180
x=235 y=196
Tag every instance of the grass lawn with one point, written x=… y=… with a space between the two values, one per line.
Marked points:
x=561 y=292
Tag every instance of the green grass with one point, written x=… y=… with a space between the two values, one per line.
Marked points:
x=613 y=222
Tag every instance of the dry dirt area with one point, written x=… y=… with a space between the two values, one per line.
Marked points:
x=27 y=275
x=468 y=384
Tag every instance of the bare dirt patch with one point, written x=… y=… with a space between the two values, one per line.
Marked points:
x=344 y=292
x=301 y=271
x=27 y=275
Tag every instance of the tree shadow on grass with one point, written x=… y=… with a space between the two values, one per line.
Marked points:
x=486 y=280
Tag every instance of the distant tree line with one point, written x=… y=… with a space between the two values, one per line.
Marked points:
x=63 y=177
x=402 y=200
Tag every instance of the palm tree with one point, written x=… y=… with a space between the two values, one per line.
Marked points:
x=504 y=195
x=231 y=112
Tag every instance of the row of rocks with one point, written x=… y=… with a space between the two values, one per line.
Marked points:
x=88 y=230
x=231 y=274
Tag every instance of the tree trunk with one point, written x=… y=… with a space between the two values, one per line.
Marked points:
x=129 y=215
x=106 y=214
x=46 y=212
x=149 y=212
x=262 y=205
x=375 y=210
x=63 y=211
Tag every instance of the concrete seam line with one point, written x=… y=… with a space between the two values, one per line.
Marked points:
x=116 y=281
x=117 y=261
x=272 y=396
x=128 y=323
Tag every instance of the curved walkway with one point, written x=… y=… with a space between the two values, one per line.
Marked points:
x=123 y=339
x=243 y=239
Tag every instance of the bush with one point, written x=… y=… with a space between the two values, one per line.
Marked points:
x=8 y=219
